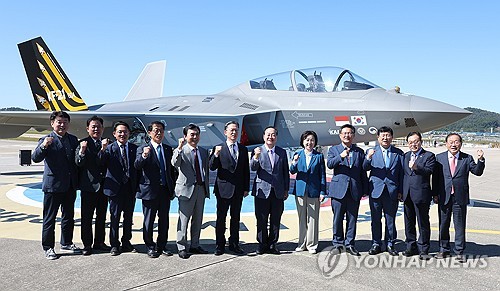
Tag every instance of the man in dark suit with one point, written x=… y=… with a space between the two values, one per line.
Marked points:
x=60 y=177
x=156 y=188
x=418 y=166
x=270 y=188
x=191 y=188
x=230 y=160
x=120 y=184
x=451 y=185
x=91 y=179
x=385 y=163
x=349 y=183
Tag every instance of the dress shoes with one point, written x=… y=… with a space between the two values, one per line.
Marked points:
x=115 y=251
x=183 y=254
x=127 y=247
x=442 y=255
x=375 y=250
x=460 y=258
x=260 y=250
x=166 y=252
x=152 y=253
x=72 y=247
x=198 y=250
x=219 y=251
x=274 y=250
x=392 y=251
x=101 y=247
x=87 y=251
x=410 y=252
x=235 y=248
x=424 y=256
x=352 y=251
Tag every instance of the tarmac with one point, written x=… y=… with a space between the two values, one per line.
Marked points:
x=24 y=267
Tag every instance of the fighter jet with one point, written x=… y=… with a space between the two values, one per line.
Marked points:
x=320 y=99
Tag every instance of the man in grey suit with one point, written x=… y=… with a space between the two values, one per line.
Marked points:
x=451 y=185
x=191 y=188
x=270 y=188
x=91 y=179
x=59 y=183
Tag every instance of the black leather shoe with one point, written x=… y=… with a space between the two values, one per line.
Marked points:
x=219 y=251
x=167 y=253
x=442 y=255
x=87 y=251
x=127 y=247
x=409 y=253
x=259 y=251
x=115 y=251
x=461 y=258
x=274 y=250
x=235 y=248
x=198 y=250
x=152 y=253
x=424 y=256
x=183 y=254
x=101 y=247
x=375 y=250
x=392 y=251
x=352 y=250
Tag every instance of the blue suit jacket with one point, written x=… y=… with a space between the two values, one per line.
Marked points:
x=60 y=172
x=231 y=178
x=150 y=174
x=416 y=183
x=268 y=177
x=111 y=158
x=382 y=177
x=90 y=169
x=347 y=176
x=312 y=179
x=443 y=180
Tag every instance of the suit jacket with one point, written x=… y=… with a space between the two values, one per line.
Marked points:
x=312 y=179
x=90 y=169
x=347 y=176
x=183 y=162
x=115 y=174
x=443 y=180
x=150 y=174
x=417 y=183
x=232 y=178
x=382 y=177
x=268 y=177
x=60 y=172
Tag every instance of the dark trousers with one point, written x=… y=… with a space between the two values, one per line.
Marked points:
x=51 y=203
x=90 y=202
x=124 y=202
x=161 y=206
x=347 y=207
x=389 y=207
x=269 y=209
x=223 y=205
x=417 y=213
x=459 y=215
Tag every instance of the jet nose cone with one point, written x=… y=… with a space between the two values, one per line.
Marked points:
x=431 y=114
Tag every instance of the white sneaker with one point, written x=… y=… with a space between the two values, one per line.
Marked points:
x=313 y=251
x=50 y=254
x=299 y=249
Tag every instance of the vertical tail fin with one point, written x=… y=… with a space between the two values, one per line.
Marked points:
x=51 y=88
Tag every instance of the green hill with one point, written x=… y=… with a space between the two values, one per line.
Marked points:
x=479 y=121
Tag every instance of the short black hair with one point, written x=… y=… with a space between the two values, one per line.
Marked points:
x=412 y=133
x=95 y=118
x=385 y=129
x=270 y=126
x=347 y=125
x=156 y=122
x=118 y=123
x=453 y=133
x=307 y=133
x=231 y=122
x=190 y=126
x=62 y=114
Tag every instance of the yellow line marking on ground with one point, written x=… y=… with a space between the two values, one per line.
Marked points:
x=484 y=231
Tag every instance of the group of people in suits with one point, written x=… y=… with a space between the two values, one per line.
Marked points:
x=119 y=172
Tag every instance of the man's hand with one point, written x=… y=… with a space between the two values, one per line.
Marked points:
x=105 y=143
x=217 y=150
x=370 y=154
x=146 y=152
x=480 y=154
x=182 y=142
x=256 y=152
x=47 y=141
x=83 y=147
x=345 y=153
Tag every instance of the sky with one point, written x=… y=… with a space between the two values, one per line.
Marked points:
x=444 y=50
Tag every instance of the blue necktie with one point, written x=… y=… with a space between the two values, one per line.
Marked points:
x=162 y=166
x=387 y=158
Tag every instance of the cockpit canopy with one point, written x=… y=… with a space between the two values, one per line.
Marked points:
x=323 y=79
